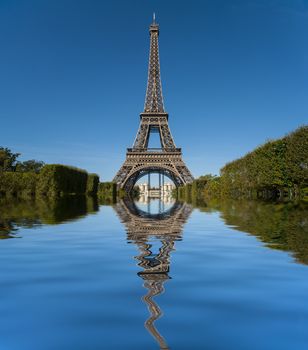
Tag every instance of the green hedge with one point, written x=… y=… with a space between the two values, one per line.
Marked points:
x=107 y=190
x=56 y=179
x=12 y=183
x=53 y=180
x=197 y=188
x=192 y=191
x=92 y=184
x=276 y=168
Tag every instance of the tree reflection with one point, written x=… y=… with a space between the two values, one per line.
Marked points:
x=15 y=213
x=281 y=226
x=145 y=230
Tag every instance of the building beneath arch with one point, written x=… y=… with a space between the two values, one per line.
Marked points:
x=163 y=191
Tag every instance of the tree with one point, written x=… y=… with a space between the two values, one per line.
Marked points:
x=297 y=156
x=8 y=159
x=31 y=165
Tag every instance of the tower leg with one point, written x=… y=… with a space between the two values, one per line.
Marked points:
x=163 y=184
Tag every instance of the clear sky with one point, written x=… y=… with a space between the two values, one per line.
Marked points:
x=73 y=77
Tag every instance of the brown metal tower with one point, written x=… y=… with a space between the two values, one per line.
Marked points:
x=140 y=159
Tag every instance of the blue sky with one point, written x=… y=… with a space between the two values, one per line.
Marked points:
x=73 y=77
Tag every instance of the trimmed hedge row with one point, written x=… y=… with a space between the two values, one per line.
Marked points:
x=60 y=179
x=107 y=190
x=18 y=183
x=273 y=169
x=92 y=183
x=192 y=191
x=53 y=180
x=276 y=169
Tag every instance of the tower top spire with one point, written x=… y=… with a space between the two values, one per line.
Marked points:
x=154 y=27
x=154 y=102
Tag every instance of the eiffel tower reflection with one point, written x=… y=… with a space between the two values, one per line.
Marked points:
x=145 y=230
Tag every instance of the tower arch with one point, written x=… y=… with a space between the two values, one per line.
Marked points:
x=144 y=169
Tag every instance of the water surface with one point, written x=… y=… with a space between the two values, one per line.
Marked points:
x=224 y=275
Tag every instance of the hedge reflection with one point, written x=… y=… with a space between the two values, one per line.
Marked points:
x=281 y=226
x=28 y=213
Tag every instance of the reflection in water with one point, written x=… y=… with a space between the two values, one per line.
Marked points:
x=29 y=213
x=164 y=227
x=158 y=205
x=163 y=200
x=223 y=278
x=282 y=226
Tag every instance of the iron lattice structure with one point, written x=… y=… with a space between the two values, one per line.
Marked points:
x=140 y=159
x=142 y=227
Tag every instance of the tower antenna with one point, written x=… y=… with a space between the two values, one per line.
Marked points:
x=154 y=17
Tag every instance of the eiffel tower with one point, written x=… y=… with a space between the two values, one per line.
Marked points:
x=140 y=159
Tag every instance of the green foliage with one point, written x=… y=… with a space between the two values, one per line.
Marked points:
x=8 y=159
x=279 y=225
x=29 y=166
x=276 y=169
x=207 y=177
x=8 y=162
x=198 y=186
x=23 y=184
x=53 y=180
x=297 y=157
x=56 y=179
x=135 y=192
x=195 y=190
x=262 y=169
x=92 y=184
x=185 y=193
x=213 y=187
x=304 y=194
x=54 y=210
x=107 y=190
x=31 y=212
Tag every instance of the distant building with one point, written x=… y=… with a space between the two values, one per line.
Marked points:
x=162 y=191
